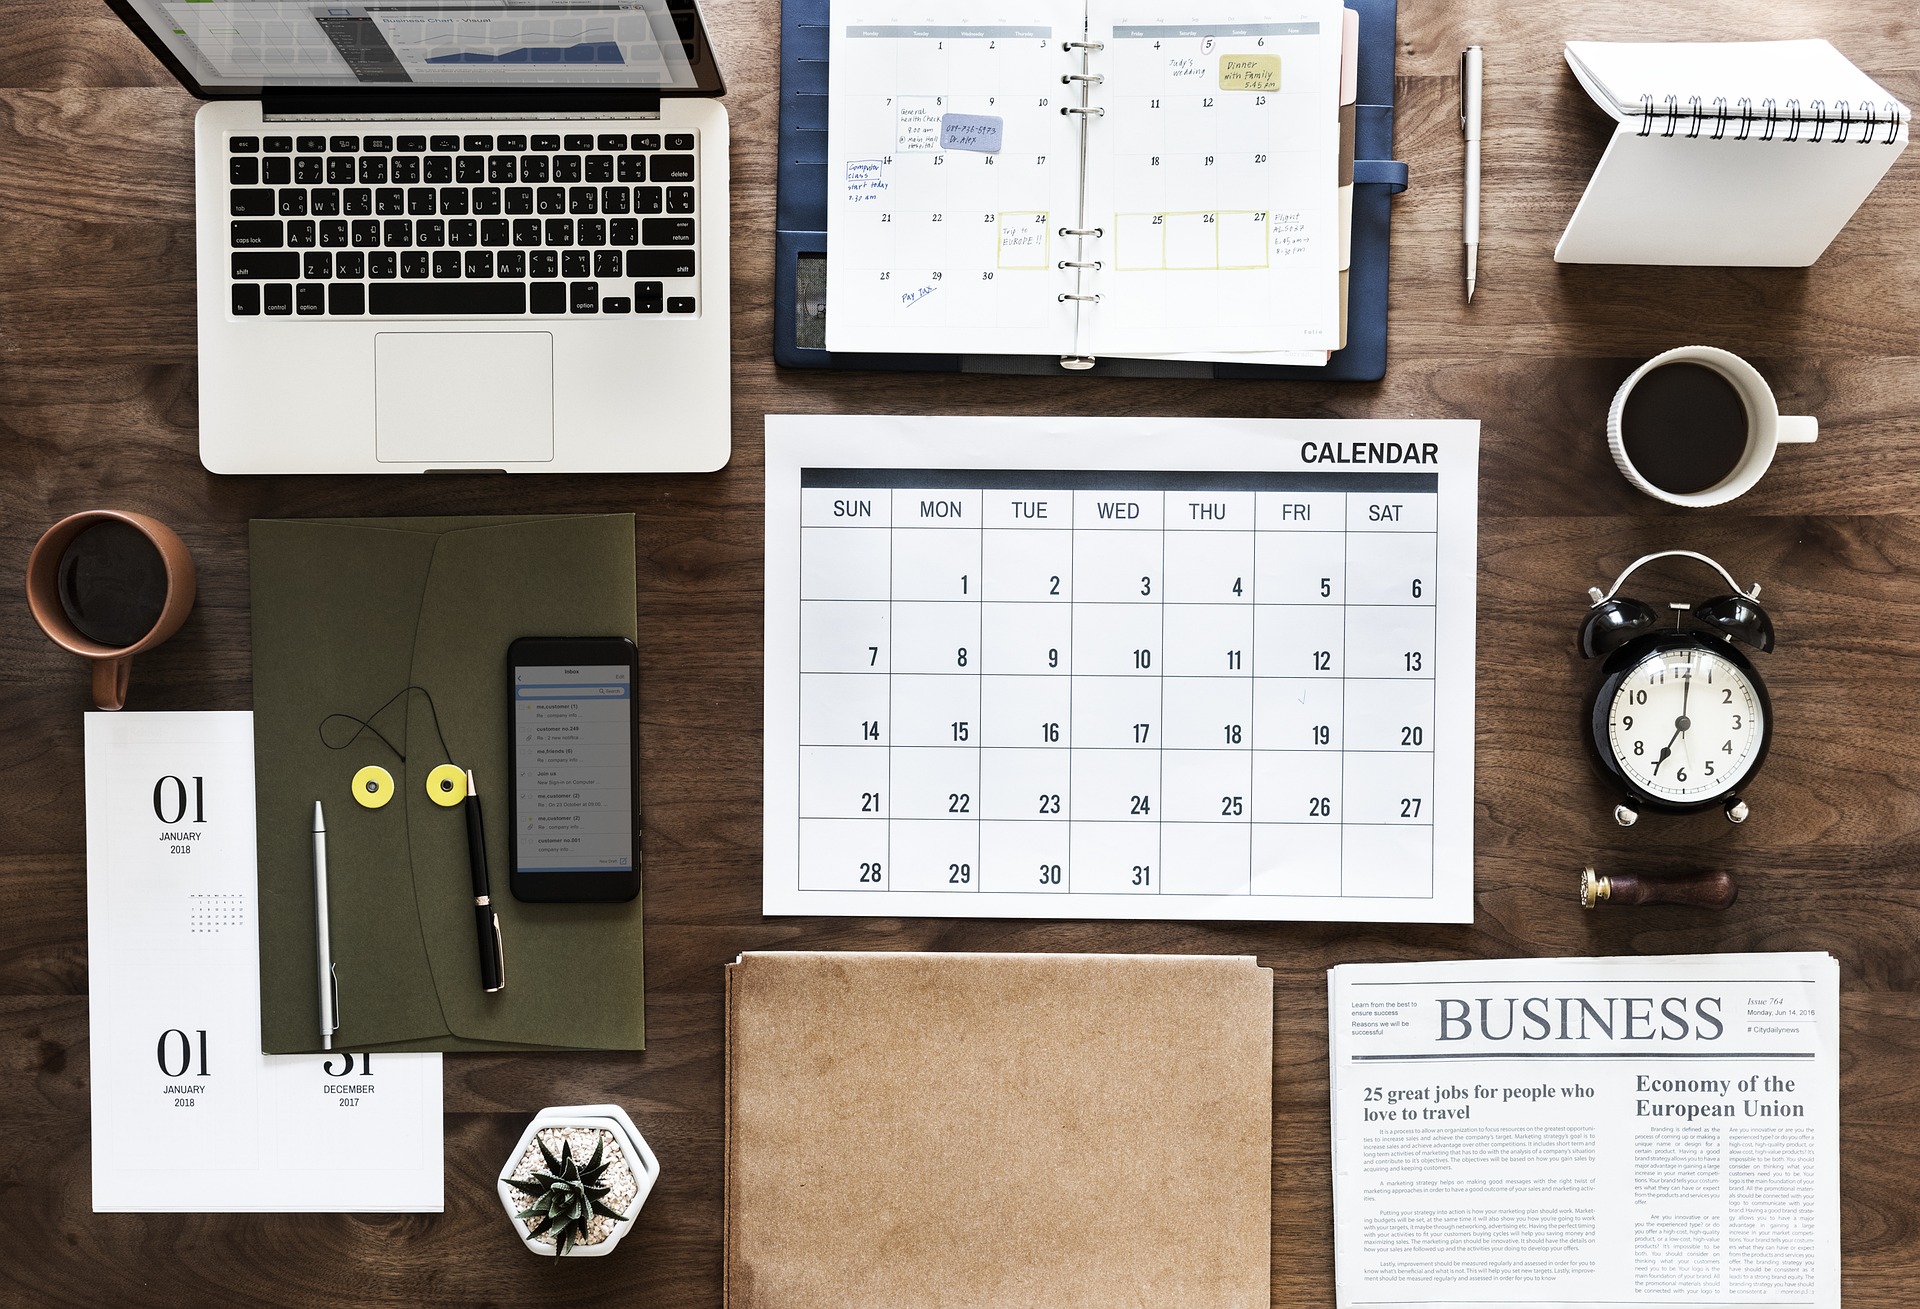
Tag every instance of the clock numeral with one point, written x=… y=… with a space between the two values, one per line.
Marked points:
x=1636 y=697
x=1726 y=695
x=1737 y=720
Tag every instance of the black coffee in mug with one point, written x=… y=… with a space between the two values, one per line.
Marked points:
x=1684 y=427
x=113 y=583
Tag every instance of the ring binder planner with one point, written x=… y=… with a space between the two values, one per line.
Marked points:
x=1071 y=184
x=1768 y=193
x=1041 y=241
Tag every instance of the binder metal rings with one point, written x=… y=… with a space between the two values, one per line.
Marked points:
x=1095 y=110
x=1083 y=231
x=1068 y=295
x=1079 y=263
x=1083 y=45
x=1091 y=79
x=1667 y=114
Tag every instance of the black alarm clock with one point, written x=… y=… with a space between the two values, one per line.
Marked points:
x=1680 y=720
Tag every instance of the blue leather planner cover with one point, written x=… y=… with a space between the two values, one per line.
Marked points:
x=800 y=235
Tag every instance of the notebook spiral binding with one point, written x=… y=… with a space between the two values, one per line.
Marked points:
x=1083 y=267
x=1770 y=120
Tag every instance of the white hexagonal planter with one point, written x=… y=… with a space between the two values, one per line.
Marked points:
x=579 y=1124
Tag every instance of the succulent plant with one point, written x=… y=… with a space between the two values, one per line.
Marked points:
x=565 y=1195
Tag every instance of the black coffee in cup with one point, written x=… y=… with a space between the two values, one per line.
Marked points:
x=1684 y=427
x=113 y=583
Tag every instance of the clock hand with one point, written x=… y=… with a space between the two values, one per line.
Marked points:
x=1665 y=750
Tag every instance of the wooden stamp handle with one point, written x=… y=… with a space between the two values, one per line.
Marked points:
x=1710 y=890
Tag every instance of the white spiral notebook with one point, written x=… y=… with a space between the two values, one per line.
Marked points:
x=1733 y=154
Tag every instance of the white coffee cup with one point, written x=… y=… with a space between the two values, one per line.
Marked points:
x=1767 y=427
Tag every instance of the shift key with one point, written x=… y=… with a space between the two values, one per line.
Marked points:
x=266 y=265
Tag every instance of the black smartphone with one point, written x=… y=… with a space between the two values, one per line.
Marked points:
x=573 y=807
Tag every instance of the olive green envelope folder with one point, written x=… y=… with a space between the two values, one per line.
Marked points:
x=347 y=612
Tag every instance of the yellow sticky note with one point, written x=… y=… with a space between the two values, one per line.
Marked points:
x=1249 y=72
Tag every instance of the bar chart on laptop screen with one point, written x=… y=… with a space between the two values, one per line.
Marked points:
x=626 y=42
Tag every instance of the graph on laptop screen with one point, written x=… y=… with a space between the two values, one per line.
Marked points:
x=443 y=42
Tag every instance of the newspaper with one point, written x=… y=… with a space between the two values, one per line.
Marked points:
x=1542 y=1132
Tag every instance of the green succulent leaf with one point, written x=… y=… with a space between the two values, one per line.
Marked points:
x=540 y=1227
x=599 y=1147
x=553 y=1162
x=527 y=1186
x=606 y=1212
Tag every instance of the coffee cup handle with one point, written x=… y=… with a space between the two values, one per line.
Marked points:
x=110 y=681
x=1797 y=431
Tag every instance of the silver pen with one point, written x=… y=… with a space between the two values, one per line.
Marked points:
x=323 y=939
x=1470 y=86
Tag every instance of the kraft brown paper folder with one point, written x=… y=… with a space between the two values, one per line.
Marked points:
x=998 y=1130
x=346 y=612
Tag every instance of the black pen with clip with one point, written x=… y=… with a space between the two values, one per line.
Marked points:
x=493 y=963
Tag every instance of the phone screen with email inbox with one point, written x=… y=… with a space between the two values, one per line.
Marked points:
x=573 y=715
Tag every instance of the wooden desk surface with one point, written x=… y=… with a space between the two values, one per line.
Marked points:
x=97 y=407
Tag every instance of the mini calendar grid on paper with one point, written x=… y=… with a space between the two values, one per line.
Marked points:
x=1029 y=669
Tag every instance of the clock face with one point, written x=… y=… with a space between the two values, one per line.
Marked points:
x=1686 y=724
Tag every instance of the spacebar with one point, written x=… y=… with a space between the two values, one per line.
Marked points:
x=447 y=298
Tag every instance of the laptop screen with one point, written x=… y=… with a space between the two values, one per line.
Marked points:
x=229 y=46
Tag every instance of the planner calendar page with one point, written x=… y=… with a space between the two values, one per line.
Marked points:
x=1220 y=168
x=1120 y=668
x=950 y=166
x=1195 y=213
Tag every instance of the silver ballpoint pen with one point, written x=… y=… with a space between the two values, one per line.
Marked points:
x=323 y=937
x=1470 y=128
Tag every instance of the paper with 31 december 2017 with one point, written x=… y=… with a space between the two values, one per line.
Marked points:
x=1661 y=1131
x=188 y=1115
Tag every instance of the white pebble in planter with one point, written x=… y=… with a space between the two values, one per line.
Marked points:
x=571 y=1133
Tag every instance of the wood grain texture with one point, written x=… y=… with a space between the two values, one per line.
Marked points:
x=97 y=407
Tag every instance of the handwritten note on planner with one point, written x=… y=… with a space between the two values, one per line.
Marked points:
x=1118 y=668
x=188 y=1115
x=1210 y=176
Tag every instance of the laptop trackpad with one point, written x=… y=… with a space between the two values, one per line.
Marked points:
x=450 y=398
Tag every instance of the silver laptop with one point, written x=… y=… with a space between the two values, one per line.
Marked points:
x=444 y=235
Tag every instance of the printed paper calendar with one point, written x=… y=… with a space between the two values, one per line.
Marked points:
x=1081 y=178
x=1120 y=668
x=188 y=1115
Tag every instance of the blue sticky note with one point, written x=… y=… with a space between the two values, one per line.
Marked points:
x=977 y=132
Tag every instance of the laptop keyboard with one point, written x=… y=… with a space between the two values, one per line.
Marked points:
x=437 y=225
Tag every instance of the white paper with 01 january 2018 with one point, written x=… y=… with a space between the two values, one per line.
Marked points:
x=188 y=1115
x=1659 y=1131
x=1120 y=668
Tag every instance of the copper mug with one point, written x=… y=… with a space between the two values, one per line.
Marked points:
x=50 y=572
